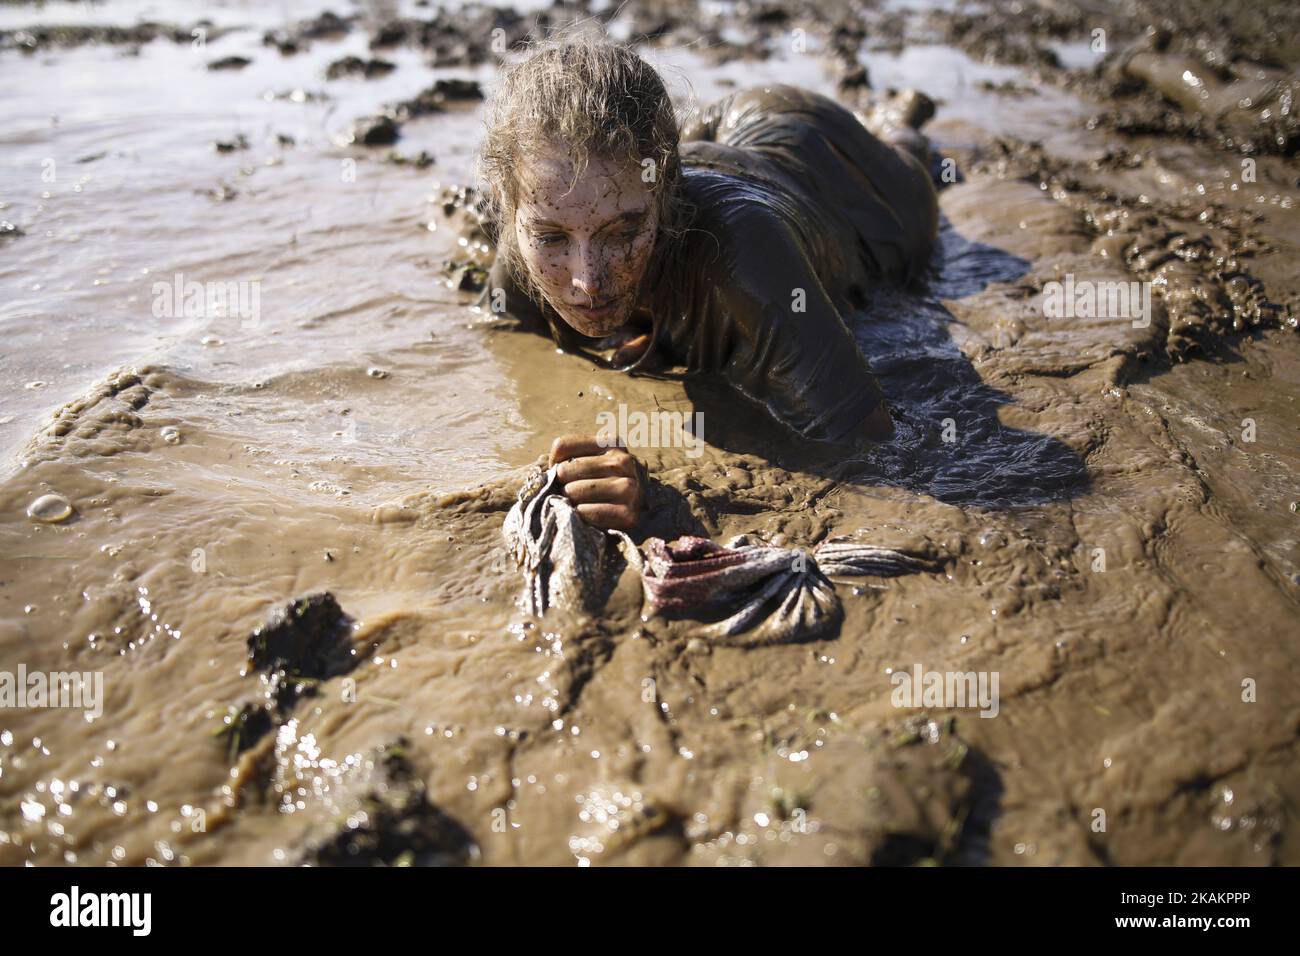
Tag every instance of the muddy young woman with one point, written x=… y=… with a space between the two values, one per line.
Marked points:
x=731 y=244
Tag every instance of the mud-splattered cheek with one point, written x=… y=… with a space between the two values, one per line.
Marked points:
x=639 y=252
x=623 y=261
x=546 y=263
x=554 y=268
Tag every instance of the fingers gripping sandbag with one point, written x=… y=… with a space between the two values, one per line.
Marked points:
x=566 y=562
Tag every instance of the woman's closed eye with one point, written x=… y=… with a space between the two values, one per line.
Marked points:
x=622 y=236
x=555 y=238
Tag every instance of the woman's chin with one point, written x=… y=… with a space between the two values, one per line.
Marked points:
x=596 y=328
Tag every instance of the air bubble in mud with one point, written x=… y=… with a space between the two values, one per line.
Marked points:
x=50 y=509
x=171 y=435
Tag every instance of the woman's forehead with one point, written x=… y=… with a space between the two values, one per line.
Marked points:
x=548 y=187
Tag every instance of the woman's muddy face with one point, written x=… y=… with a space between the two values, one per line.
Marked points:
x=586 y=244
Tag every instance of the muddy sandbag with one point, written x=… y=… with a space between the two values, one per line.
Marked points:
x=768 y=594
x=566 y=562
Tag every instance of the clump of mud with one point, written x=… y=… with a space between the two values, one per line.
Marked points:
x=355 y=66
x=105 y=421
x=469 y=35
x=306 y=638
x=1190 y=71
x=1195 y=253
x=298 y=36
x=36 y=38
x=1018 y=36
x=385 y=128
x=387 y=820
x=1175 y=84
x=301 y=645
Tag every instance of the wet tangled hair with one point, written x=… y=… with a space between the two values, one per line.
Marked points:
x=602 y=101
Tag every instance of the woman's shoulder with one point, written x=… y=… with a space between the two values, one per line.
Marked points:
x=735 y=117
x=734 y=216
x=723 y=171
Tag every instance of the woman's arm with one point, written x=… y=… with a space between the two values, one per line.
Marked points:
x=786 y=345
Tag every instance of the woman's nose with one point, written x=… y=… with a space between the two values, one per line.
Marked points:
x=586 y=273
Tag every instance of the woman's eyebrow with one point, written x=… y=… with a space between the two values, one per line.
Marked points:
x=626 y=216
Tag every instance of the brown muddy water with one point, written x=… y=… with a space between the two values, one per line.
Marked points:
x=1115 y=507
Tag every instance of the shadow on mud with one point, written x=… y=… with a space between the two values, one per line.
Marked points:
x=948 y=442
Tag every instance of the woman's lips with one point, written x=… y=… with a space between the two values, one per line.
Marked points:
x=603 y=312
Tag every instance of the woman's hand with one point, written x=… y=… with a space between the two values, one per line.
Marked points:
x=631 y=351
x=607 y=485
x=628 y=343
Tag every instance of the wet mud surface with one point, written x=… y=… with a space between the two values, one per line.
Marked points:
x=282 y=542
